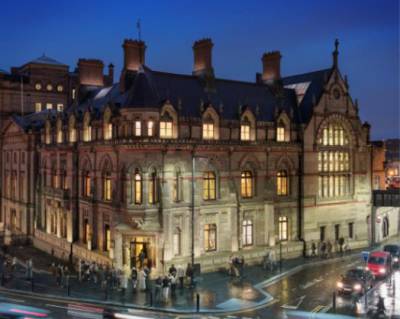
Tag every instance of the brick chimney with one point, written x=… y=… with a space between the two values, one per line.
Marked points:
x=203 y=57
x=271 y=66
x=134 y=54
x=90 y=72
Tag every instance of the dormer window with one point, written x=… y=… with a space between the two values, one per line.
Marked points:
x=150 y=128
x=72 y=130
x=87 y=129
x=245 y=130
x=208 y=129
x=280 y=132
x=59 y=132
x=166 y=126
x=138 y=128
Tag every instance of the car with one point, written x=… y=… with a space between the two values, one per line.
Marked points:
x=9 y=310
x=380 y=263
x=394 y=251
x=355 y=281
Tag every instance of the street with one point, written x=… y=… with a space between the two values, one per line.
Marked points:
x=310 y=290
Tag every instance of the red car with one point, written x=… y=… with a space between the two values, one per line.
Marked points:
x=380 y=263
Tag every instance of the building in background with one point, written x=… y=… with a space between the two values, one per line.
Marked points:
x=386 y=164
x=177 y=166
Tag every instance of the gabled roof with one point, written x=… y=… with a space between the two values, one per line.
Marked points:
x=34 y=120
x=46 y=60
x=314 y=91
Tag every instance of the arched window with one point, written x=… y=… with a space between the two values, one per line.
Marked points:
x=107 y=126
x=72 y=130
x=166 y=122
x=138 y=128
x=107 y=238
x=334 y=162
x=385 y=227
x=153 y=188
x=208 y=129
x=138 y=188
x=60 y=137
x=245 y=128
x=247 y=232
x=107 y=186
x=177 y=186
x=282 y=183
x=280 y=132
x=87 y=128
x=209 y=186
x=86 y=187
x=246 y=184
x=150 y=128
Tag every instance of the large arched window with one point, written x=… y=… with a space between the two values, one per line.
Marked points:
x=334 y=162
x=282 y=183
x=246 y=184
x=209 y=186
x=137 y=187
x=153 y=188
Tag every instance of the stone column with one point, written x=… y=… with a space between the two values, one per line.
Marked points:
x=118 y=246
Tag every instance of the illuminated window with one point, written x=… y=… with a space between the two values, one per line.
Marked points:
x=245 y=132
x=60 y=88
x=49 y=106
x=49 y=87
x=107 y=238
x=138 y=188
x=282 y=183
x=247 y=232
x=210 y=237
x=177 y=241
x=59 y=132
x=38 y=107
x=283 y=228
x=107 y=188
x=87 y=130
x=280 y=132
x=60 y=107
x=108 y=131
x=246 y=184
x=87 y=191
x=166 y=129
x=38 y=86
x=150 y=128
x=209 y=186
x=208 y=130
x=334 y=135
x=72 y=131
x=138 y=128
x=73 y=94
x=153 y=194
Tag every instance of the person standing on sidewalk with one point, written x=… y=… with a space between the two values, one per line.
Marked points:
x=313 y=249
x=142 y=280
x=134 y=278
x=329 y=248
x=180 y=272
x=165 y=288
x=13 y=264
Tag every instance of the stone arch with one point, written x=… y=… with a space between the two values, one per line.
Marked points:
x=105 y=163
x=86 y=163
x=285 y=162
x=249 y=161
x=283 y=120
x=168 y=112
x=336 y=118
x=211 y=115
x=248 y=117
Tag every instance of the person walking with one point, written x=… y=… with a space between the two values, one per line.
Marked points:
x=134 y=278
x=165 y=288
x=172 y=281
x=313 y=249
x=142 y=257
x=157 y=289
x=181 y=276
x=172 y=270
x=142 y=280
x=329 y=248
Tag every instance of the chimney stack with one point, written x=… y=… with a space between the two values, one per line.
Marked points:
x=271 y=66
x=134 y=54
x=90 y=72
x=203 y=57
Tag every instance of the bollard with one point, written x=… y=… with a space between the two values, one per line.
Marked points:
x=151 y=299
x=197 y=302
x=334 y=302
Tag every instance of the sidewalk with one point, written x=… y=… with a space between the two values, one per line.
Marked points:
x=218 y=292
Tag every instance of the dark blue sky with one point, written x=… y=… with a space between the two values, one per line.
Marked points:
x=303 y=31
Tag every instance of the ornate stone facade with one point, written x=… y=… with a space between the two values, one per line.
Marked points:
x=182 y=166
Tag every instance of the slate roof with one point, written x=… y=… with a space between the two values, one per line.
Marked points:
x=46 y=60
x=150 y=88
x=34 y=120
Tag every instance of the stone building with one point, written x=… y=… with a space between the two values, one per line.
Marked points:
x=193 y=166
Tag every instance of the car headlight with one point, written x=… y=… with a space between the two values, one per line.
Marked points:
x=340 y=284
x=396 y=259
x=382 y=270
x=357 y=287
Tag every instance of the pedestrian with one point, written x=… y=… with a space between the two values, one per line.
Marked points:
x=329 y=249
x=58 y=275
x=241 y=265
x=29 y=269
x=341 y=244
x=172 y=270
x=142 y=280
x=124 y=282
x=66 y=276
x=165 y=288
x=158 y=287
x=323 y=249
x=189 y=274
x=172 y=281
x=134 y=278
x=14 y=264
x=147 y=278
x=313 y=249
x=142 y=256
x=181 y=276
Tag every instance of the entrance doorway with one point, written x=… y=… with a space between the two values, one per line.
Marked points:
x=142 y=252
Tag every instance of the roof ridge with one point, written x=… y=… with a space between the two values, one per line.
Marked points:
x=306 y=73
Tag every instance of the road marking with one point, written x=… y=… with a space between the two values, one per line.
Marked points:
x=285 y=306
x=311 y=283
